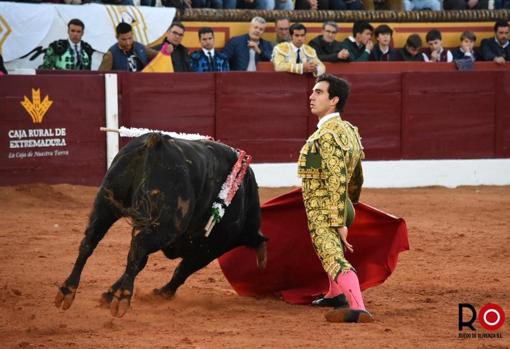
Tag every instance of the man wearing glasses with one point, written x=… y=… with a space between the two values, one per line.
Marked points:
x=178 y=52
x=327 y=48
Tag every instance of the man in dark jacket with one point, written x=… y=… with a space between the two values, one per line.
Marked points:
x=412 y=49
x=207 y=59
x=178 y=52
x=497 y=49
x=245 y=51
x=382 y=51
x=360 y=43
x=327 y=48
x=126 y=54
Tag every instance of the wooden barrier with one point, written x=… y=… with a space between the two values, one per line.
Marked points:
x=407 y=114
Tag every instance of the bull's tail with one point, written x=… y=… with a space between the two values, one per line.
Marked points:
x=145 y=211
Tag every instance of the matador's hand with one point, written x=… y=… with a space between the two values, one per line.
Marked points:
x=343 y=232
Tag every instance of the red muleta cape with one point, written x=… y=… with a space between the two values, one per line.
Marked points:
x=293 y=269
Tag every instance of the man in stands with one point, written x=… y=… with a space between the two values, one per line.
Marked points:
x=126 y=54
x=337 y=5
x=245 y=51
x=360 y=43
x=435 y=52
x=327 y=48
x=69 y=54
x=281 y=28
x=178 y=52
x=411 y=50
x=497 y=49
x=466 y=50
x=383 y=51
x=207 y=59
x=295 y=56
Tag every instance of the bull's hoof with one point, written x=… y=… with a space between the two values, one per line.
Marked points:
x=65 y=297
x=106 y=299
x=120 y=303
x=163 y=293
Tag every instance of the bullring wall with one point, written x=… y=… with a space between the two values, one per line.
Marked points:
x=407 y=114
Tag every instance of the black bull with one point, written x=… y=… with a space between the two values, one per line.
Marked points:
x=166 y=187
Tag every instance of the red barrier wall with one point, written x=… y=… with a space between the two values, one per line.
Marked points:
x=401 y=115
x=65 y=146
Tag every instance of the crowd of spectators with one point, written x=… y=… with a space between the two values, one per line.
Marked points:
x=407 y=5
x=289 y=53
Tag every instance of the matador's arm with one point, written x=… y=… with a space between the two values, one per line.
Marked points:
x=356 y=183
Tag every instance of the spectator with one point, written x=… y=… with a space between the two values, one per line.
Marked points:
x=359 y=45
x=337 y=5
x=466 y=4
x=497 y=49
x=3 y=71
x=383 y=51
x=281 y=28
x=126 y=54
x=69 y=54
x=217 y=4
x=418 y=5
x=467 y=47
x=265 y=4
x=411 y=50
x=295 y=56
x=435 y=52
x=206 y=59
x=178 y=52
x=244 y=51
x=327 y=48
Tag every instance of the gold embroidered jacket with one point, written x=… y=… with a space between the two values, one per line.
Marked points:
x=331 y=159
x=284 y=59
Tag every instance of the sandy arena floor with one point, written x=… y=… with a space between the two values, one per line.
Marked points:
x=459 y=253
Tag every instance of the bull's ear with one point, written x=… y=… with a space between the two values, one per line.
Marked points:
x=261 y=255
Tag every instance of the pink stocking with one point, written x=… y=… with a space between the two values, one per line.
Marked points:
x=349 y=284
x=334 y=289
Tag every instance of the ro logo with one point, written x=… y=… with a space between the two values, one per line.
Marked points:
x=491 y=316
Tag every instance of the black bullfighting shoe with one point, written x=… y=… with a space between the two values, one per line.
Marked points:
x=348 y=315
x=336 y=302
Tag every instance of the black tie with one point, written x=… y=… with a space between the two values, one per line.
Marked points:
x=211 y=61
x=298 y=57
x=78 y=57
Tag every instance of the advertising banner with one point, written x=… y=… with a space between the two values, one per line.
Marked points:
x=49 y=129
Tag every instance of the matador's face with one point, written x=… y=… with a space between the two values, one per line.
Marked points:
x=320 y=104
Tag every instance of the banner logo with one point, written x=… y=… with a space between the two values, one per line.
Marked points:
x=491 y=318
x=35 y=107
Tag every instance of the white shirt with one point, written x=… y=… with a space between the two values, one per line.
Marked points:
x=206 y=52
x=326 y=118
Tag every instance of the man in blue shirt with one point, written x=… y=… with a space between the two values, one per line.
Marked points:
x=245 y=51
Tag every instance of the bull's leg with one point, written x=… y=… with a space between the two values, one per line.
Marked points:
x=142 y=244
x=101 y=219
x=107 y=297
x=186 y=267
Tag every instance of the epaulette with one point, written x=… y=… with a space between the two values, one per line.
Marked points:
x=309 y=51
x=87 y=48
x=283 y=48
x=59 y=46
